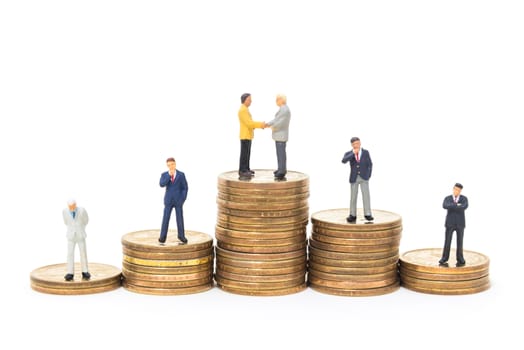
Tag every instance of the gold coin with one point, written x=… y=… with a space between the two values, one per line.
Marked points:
x=357 y=292
x=260 y=235
x=392 y=247
x=385 y=233
x=260 y=227
x=302 y=211
x=131 y=275
x=261 y=242
x=261 y=250
x=168 y=263
x=407 y=280
x=461 y=291
x=245 y=198
x=351 y=256
x=221 y=281
x=369 y=263
x=261 y=257
x=351 y=284
x=442 y=276
x=167 y=255
x=75 y=291
x=263 y=192
x=247 y=271
x=427 y=260
x=170 y=284
x=147 y=240
x=356 y=241
x=336 y=218
x=167 y=291
x=353 y=278
x=222 y=204
x=51 y=277
x=353 y=270
x=270 y=292
x=261 y=278
x=263 y=179
x=178 y=270
x=302 y=220
x=266 y=264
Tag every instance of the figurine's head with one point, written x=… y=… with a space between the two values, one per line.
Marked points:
x=171 y=163
x=355 y=143
x=71 y=204
x=246 y=99
x=457 y=189
x=281 y=99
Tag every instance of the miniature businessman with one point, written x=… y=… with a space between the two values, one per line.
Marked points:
x=455 y=204
x=247 y=126
x=76 y=219
x=280 y=128
x=176 y=193
x=361 y=167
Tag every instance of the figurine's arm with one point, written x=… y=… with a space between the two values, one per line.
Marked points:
x=370 y=165
x=280 y=118
x=164 y=179
x=449 y=203
x=250 y=123
x=185 y=188
x=464 y=204
x=85 y=217
x=347 y=156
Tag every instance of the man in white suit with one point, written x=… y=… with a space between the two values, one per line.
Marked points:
x=76 y=220
x=280 y=127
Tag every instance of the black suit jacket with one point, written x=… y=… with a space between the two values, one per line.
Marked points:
x=176 y=192
x=455 y=216
x=362 y=168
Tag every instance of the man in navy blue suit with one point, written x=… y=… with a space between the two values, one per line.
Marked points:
x=455 y=204
x=176 y=193
x=361 y=167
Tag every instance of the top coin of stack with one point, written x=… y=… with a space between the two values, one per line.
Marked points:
x=261 y=233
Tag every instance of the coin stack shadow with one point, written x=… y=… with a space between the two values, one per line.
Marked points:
x=420 y=272
x=169 y=269
x=261 y=234
x=354 y=259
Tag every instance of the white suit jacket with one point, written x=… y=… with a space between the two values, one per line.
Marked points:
x=76 y=228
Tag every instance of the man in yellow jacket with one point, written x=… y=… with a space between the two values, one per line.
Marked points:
x=247 y=127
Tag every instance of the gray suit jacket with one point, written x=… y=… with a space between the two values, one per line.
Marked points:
x=76 y=228
x=280 y=124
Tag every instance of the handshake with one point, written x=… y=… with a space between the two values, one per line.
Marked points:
x=265 y=125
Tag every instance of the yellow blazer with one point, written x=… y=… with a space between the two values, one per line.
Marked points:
x=247 y=124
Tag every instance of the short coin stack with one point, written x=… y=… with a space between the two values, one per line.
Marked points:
x=354 y=259
x=420 y=272
x=169 y=269
x=261 y=233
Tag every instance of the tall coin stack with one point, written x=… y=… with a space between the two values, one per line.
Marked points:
x=169 y=269
x=354 y=259
x=261 y=233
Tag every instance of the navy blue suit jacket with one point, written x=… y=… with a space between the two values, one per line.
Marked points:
x=362 y=168
x=455 y=216
x=176 y=192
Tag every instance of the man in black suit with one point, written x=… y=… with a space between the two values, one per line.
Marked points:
x=455 y=204
x=361 y=166
x=176 y=193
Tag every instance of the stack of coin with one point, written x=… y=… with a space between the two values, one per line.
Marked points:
x=261 y=233
x=354 y=259
x=168 y=269
x=421 y=272
x=50 y=279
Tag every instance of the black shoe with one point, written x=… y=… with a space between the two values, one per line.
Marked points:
x=443 y=263
x=280 y=178
x=183 y=240
x=251 y=172
x=69 y=277
x=161 y=242
x=86 y=276
x=351 y=218
x=460 y=263
x=245 y=175
x=369 y=218
x=275 y=172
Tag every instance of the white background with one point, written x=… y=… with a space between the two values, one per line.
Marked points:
x=95 y=95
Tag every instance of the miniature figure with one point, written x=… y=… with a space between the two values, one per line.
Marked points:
x=176 y=193
x=280 y=128
x=247 y=126
x=455 y=204
x=76 y=219
x=361 y=167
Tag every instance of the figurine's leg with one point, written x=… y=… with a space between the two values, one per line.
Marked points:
x=353 y=202
x=165 y=223
x=364 y=186
x=460 y=240
x=447 y=244
x=83 y=255
x=281 y=158
x=243 y=166
x=248 y=155
x=71 y=256
x=180 y=222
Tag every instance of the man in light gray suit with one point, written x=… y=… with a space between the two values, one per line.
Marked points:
x=280 y=127
x=76 y=219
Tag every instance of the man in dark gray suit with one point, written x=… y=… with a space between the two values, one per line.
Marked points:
x=280 y=127
x=455 y=204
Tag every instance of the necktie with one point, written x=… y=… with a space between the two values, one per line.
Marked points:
x=73 y=213
x=356 y=156
x=172 y=178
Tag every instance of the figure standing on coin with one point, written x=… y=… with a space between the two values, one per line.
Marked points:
x=247 y=127
x=280 y=132
x=176 y=193
x=361 y=167
x=76 y=219
x=455 y=204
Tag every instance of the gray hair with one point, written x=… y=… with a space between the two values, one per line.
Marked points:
x=71 y=201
